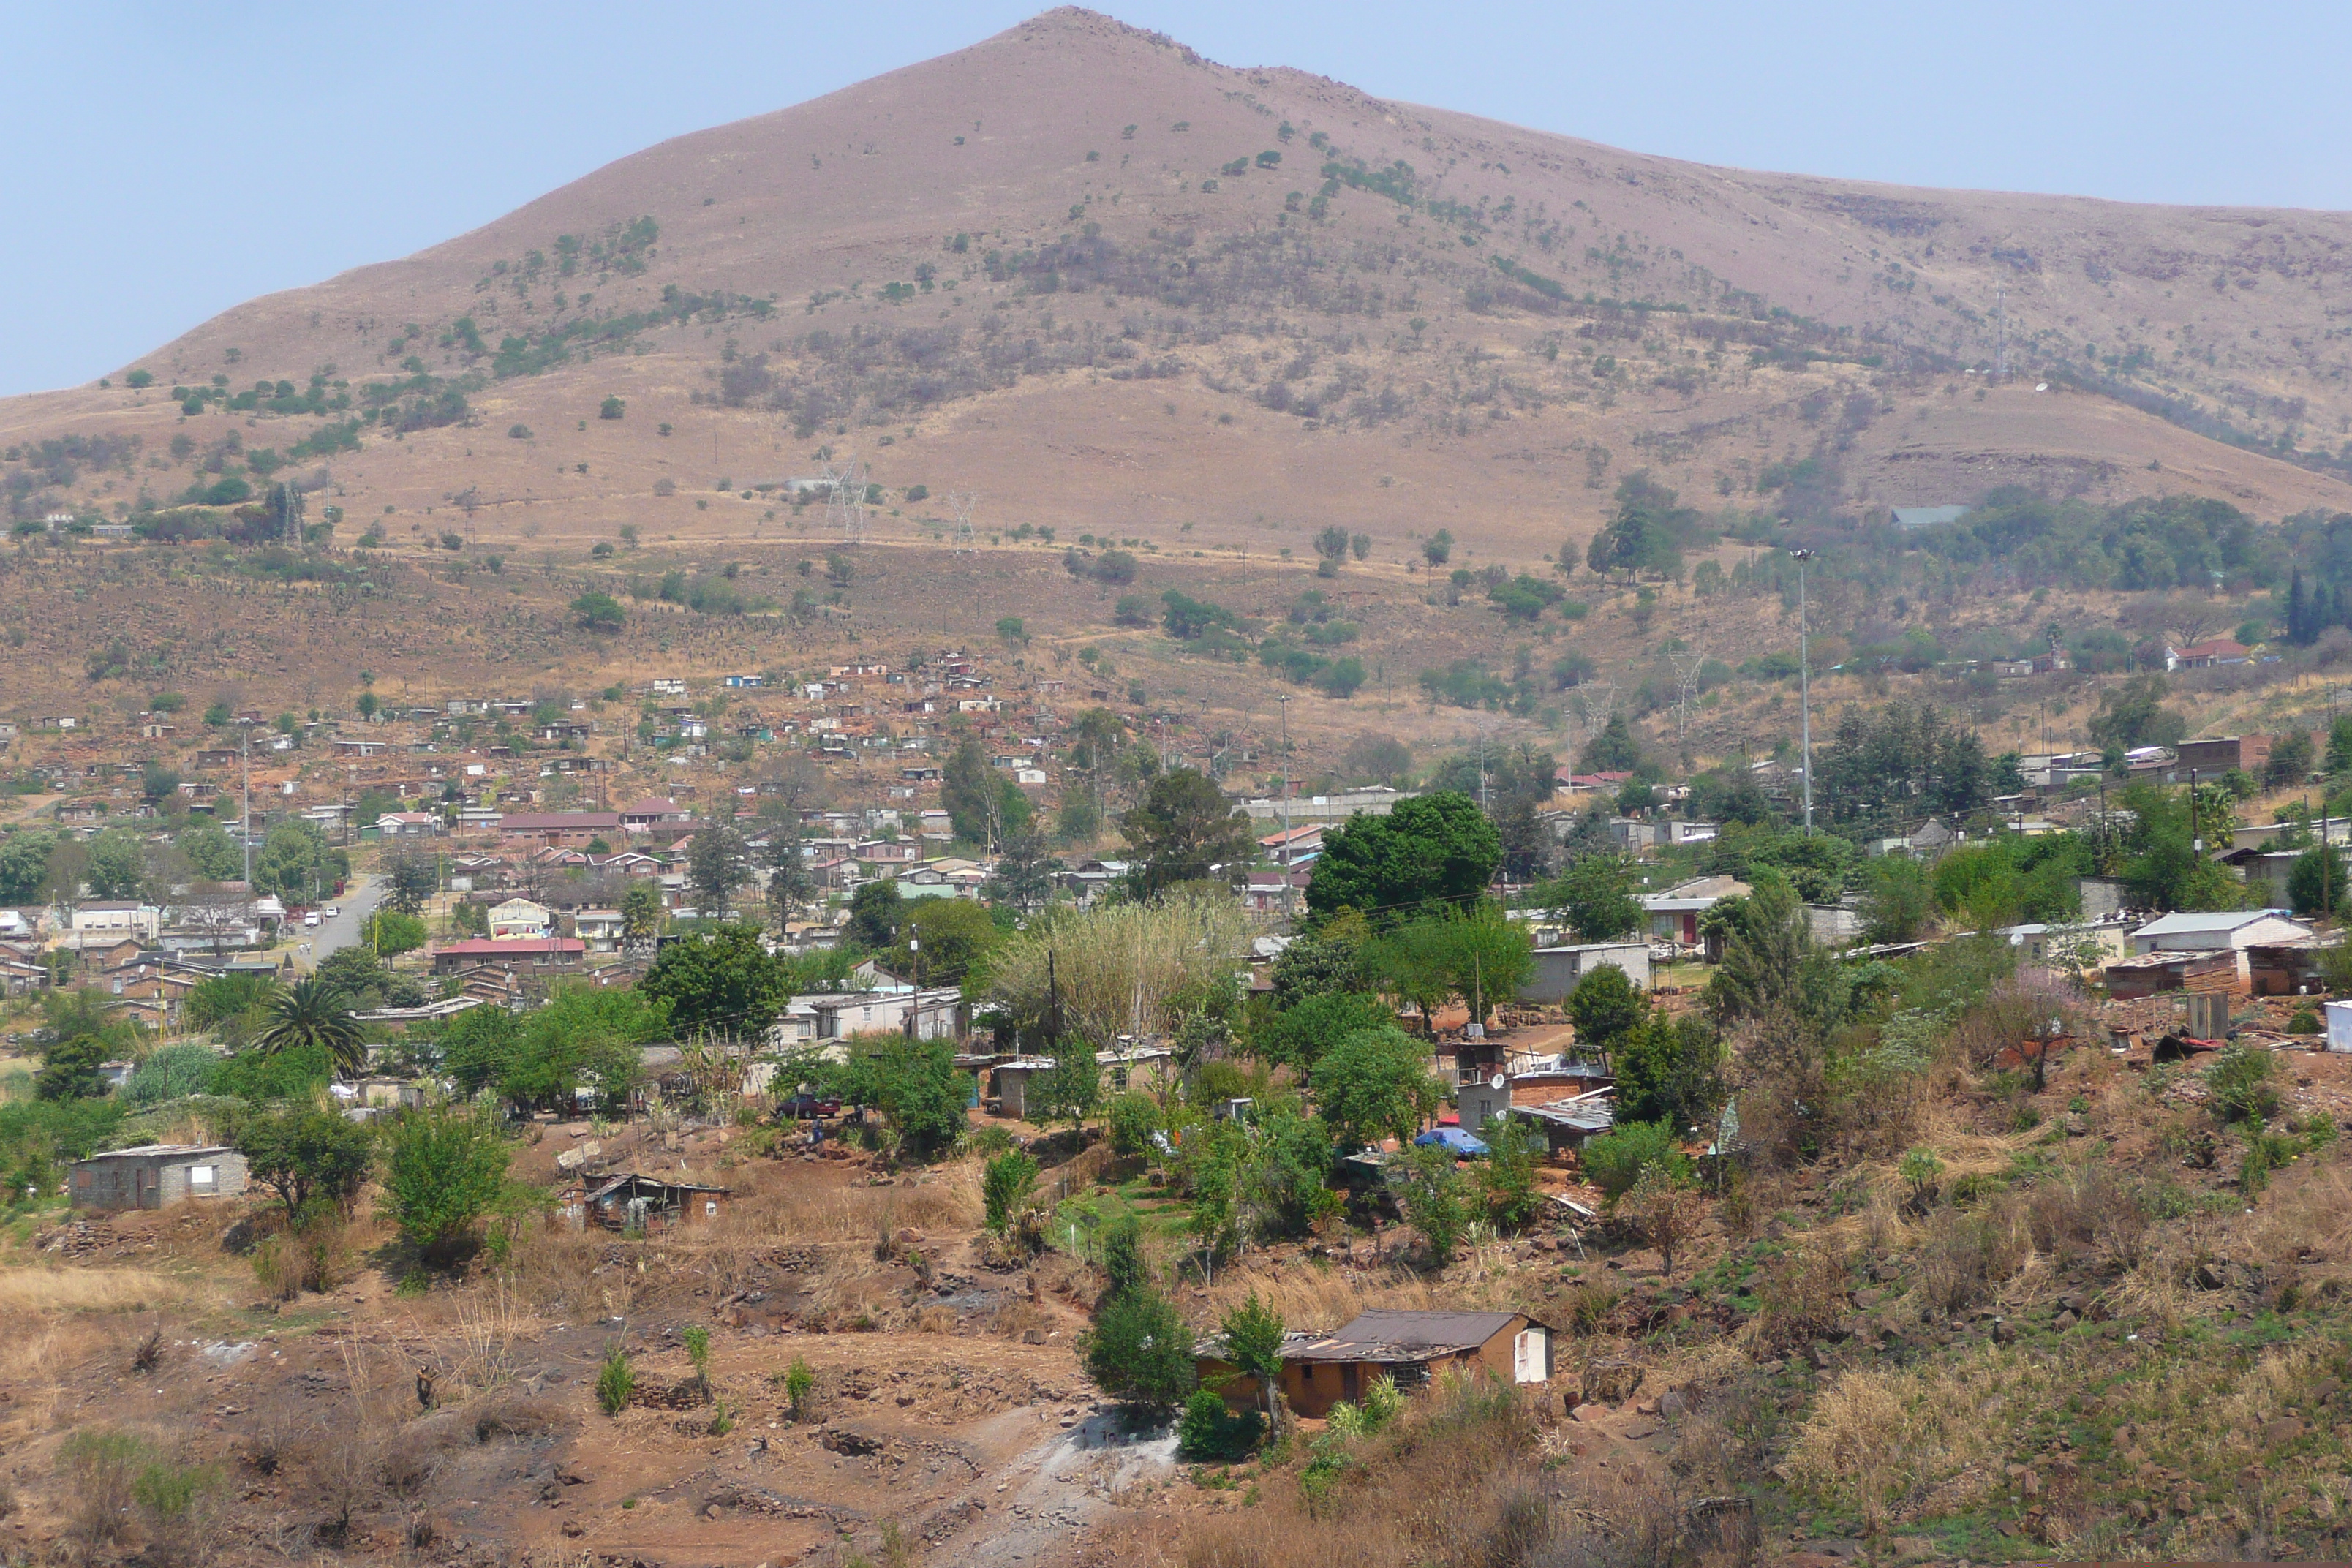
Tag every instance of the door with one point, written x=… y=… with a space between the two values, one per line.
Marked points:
x=1527 y=1356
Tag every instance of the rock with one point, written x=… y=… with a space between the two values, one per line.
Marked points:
x=569 y=1160
x=2207 y=1276
x=1589 y=1414
x=1641 y=1429
x=1674 y=1404
x=2136 y=1510
x=2076 y=1302
x=1820 y=1356
x=1647 y=1407
x=2063 y=1322
x=2283 y=1431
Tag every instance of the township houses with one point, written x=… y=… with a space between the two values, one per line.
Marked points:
x=538 y=953
x=97 y=921
x=1321 y=1370
x=2209 y=950
x=518 y=918
x=560 y=829
x=408 y=825
x=653 y=812
x=940 y=1014
x=156 y=1176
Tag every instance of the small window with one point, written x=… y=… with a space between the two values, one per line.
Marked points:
x=200 y=1175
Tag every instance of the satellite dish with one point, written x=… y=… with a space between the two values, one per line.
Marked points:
x=1497 y=1082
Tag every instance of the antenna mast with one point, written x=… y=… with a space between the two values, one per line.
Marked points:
x=962 y=542
x=847 y=501
x=2000 y=333
x=1593 y=706
x=1687 y=665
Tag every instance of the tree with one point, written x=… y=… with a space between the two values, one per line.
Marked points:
x=1643 y=534
x=968 y=791
x=25 y=863
x=1765 y=955
x=477 y=1047
x=1438 y=548
x=586 y=1036
x=1374 y=759
x=443 y=1170
x=610 y=408
x=1596 y=895
x=2131 y=715
x=600 y=611
x=1185 y=830
x=226 y=996
x=1615 y=1160
x=1301 y=1036
x=1614 y=750
x=641 y=912
x=411 y=879
x=1434 y=848
x=312 y=1012
x=1072 y=1086
x=1667 y=1211
x=2315 y=882
x=1319 y=962
x=1375 y=1084
x=294 y=860
x=1605 y=1007
x=791 y=883
x=392 y=933
x=70 y=1069
x=117 y=865
x=172 y=1072
x=2290 y=760
x=877 y=915
x=1434 y=1199
x=1139 y=1352
x=157 y=783
x=1253 y=1331
x=301 y=1152
x=1668 y=1069
x=719 y=979
x=211 y=852
x=1898 y=899
x=913 y=1082
x=956 y=936
x=1485 y=955
x=1331 y=544
x=1506 y=1178
x=714 y=859
x=1027 y=872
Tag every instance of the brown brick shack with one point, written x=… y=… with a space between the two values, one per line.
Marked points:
x=1320 y=1371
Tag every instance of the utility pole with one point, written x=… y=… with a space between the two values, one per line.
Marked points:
x=1287 y=855
x=915 y=1004
x=1805 y=682
x=245 y=812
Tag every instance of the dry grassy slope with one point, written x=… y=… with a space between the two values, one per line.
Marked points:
x=1488 y=435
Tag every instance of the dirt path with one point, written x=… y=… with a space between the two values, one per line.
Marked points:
x=1064 y=1486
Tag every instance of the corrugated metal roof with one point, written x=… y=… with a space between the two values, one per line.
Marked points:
x=1405 y=1336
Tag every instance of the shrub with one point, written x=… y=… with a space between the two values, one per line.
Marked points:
x=1005 y=1185
x=174 y=1072
x=2239 y=1079
x=519 y=432
x=800 y=1387
x=1134 y=1117
x=1616 y=1160
x=1138 y=1351
x=616 y=1382
x=1209 y=1432
x=445 y=1170
x=2304 y=1022
x=610 y=408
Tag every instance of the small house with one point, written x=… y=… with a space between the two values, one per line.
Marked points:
x=1673 y=915
x=514 y=918
x=157 y=1175
x=633 y=1201
x=1320 y=1371
x=1559 y=969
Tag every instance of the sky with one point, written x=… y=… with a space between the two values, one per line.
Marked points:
x=162 y=163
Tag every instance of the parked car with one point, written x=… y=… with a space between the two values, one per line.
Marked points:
x=333 y=910
x=803 y=1105
x=310 y=917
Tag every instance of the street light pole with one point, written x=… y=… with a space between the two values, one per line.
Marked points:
x=1286 y=857
x=1805 y=683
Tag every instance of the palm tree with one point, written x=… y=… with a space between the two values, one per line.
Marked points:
x=312 y=1012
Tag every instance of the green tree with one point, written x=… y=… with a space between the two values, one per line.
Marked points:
x=226 y=996
x=477 y=1047
x=1300 y=1035
x=1072 y=1086
x=210 y=850
x=1375 y=1084
x=1435 y=1199
x=1614 y=751
x=600 y=611
x=1615 y=1160
x=443 y=1169
x=721 y=979
x=715 y=868
x=69 y=1069
x=172 y=1072
x=917 y=1085
x=392 y=933
x=411 y=879
x=1434 y=848
x=2316 y=882
x=1605 y=1007
x=1185 y=830
x=641 y=912
x=973 y=794
x=1139 y=1352
x=1898 y=899
x=1641 y=535
x=313 y=1013
x=1486 y=954
x=1027 y=873
x=1321 y=961
x=2133 y=714
x=1764 y=959
x=877 y=917
x=1506 y=1178
x=25 y=863
x=1668 y=1069
x=1252 y=1330
x=301 y=1152
x=1596 y=894
x=117 y=864
x=294 y=860
x=586 y=1036
x=956 y=936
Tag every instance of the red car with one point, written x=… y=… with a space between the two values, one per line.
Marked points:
x=802 y=1106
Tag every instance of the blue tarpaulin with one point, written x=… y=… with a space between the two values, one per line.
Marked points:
x=1453 y=1138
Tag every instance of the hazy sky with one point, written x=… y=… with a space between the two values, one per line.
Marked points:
x=163 y=161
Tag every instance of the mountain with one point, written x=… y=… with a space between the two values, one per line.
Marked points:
x=1108 y=284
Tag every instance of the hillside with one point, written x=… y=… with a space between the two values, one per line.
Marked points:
x=1108 y=284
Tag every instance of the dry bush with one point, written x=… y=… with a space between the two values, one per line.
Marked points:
x=2089 y=1210
x=1967 y=1256
x=102 y=1466
x=36 y=1290
x=1802 y=1295
x=946 y=1199
x=553 y=1267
